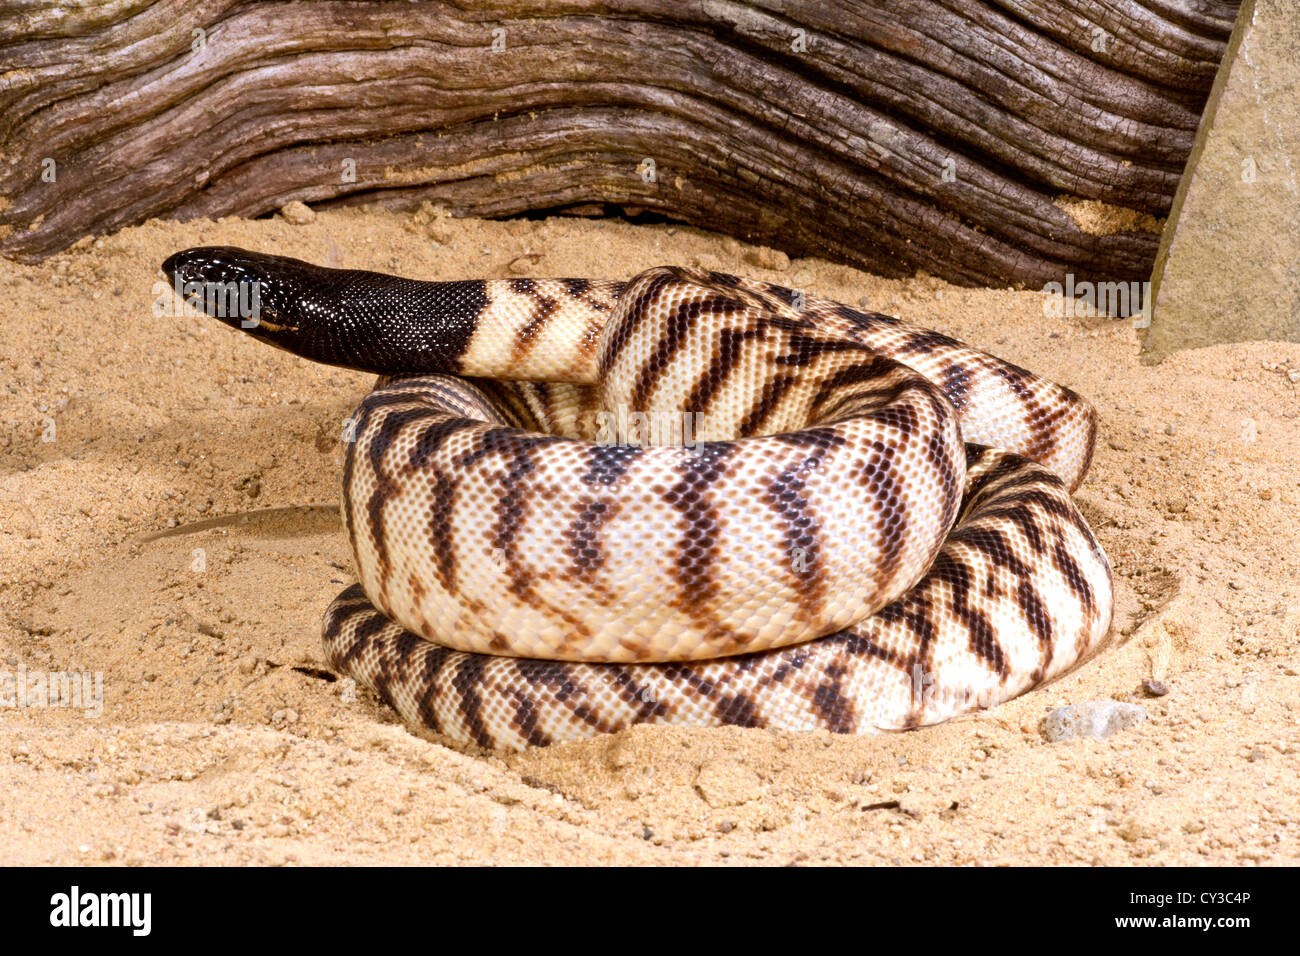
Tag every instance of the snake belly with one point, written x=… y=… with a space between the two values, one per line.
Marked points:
x=691 y=498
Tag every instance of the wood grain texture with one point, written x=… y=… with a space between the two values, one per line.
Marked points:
x=819 y=128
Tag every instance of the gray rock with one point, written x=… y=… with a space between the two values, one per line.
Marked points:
x=1231 y=236
x=1095 y=718
x=1154 y=688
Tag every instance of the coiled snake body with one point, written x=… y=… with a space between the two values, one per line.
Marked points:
x=690 y=498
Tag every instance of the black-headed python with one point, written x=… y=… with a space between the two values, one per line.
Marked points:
x=690 y=498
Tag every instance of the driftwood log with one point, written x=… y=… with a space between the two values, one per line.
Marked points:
x=892 y=134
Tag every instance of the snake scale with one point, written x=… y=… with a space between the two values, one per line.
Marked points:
x=689 y=498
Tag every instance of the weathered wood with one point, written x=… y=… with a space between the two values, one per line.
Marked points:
x=820 y=128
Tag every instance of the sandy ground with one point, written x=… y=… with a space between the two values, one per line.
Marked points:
x=219 y=741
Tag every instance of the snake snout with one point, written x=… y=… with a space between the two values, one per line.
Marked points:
x=269 y=297
x=228 y=284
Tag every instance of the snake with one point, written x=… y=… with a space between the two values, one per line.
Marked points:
x=694 y=498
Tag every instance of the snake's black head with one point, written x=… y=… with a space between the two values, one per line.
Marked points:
x=270 y=297
x=361 y=320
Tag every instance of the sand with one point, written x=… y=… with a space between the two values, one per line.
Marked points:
x=166 y=520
